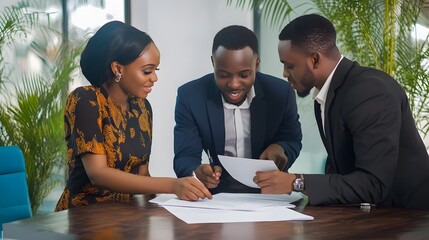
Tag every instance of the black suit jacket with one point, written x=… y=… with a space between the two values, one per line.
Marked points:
x=375 y=153
x=200 y=125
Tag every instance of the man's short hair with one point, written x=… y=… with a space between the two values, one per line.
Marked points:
x=310 y=33
x=235 y=38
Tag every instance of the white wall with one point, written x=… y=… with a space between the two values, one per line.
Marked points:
x=183 y=31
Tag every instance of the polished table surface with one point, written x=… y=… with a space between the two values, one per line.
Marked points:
x=140 y=219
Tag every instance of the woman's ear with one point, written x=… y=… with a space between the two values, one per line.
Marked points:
x=116 y=68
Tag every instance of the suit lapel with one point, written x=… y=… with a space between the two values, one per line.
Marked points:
x=216 y=118
x=337 y=80
x=258 y=120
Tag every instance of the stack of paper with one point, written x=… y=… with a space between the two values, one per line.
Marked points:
x=233 y=207
x=236 y=207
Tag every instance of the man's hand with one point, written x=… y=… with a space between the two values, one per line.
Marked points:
x=274 y=182
x=277 y=153
x=208 y=176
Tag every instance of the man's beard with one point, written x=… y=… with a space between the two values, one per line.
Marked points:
x=308 y=83
x=304 y=93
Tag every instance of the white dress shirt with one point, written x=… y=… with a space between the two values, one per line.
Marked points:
x=320 y=96
x=237 y=127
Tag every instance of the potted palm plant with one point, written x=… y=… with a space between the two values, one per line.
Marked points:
x=31 y=107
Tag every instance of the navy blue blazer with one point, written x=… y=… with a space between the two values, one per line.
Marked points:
x=375 y=153
x=200 y=125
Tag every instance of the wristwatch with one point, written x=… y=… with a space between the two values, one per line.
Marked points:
x=298 y=183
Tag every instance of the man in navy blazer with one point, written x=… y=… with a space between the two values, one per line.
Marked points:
x=235 y=111
x=375 y=153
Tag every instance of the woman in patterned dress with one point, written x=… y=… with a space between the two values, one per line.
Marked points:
x=108 y=125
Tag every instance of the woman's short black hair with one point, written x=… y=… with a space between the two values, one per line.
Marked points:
x=114 y=41
x=235 y=37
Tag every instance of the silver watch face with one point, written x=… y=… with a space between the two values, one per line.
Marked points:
x=298 y=184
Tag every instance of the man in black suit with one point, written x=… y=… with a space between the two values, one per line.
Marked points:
x=235 y=111
x=375 y=153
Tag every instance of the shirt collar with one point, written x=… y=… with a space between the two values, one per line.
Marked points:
x=321 y=95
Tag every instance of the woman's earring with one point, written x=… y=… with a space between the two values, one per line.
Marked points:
x=118 y=77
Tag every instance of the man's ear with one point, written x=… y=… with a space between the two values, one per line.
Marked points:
x=211 y=58
x=315 y=59
x=257 y=63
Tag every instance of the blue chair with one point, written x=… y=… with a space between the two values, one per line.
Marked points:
x=14 y=200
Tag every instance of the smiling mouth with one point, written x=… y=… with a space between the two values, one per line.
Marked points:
x=147 y=89
x=234 y=96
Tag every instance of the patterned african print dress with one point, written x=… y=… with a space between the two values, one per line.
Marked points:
x=95 y=124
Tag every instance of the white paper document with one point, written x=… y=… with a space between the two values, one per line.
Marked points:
x=233 y=207
x=162 y=198
x=244 y=169
x=203 y=215
x=235 y=201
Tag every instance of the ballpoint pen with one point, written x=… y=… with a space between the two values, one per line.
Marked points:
x=210 y=159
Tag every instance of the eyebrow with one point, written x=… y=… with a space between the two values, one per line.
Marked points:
x=245 y=70
x=286 y=62
x=150 y=64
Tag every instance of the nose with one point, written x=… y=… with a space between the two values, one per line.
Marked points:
x=154 y=78
x=285 y=73
x=234 y=83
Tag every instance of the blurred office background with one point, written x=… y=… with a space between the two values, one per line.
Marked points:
x=183 y=31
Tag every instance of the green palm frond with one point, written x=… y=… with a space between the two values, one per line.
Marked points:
x=373 y=32
x=274 y=11
x=35 y=133
x=15 y=22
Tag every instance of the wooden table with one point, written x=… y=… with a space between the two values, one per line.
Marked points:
x=140 y=219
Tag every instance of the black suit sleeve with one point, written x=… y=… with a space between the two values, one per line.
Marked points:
x=289 y=133
x=187 y=141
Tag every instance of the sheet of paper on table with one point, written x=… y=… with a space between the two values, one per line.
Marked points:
x=204 y=215
x=233 y=207
x=244 y=169
x=233 y=201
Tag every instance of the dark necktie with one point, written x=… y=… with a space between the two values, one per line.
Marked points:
x=317 y=113
x=330 y=166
